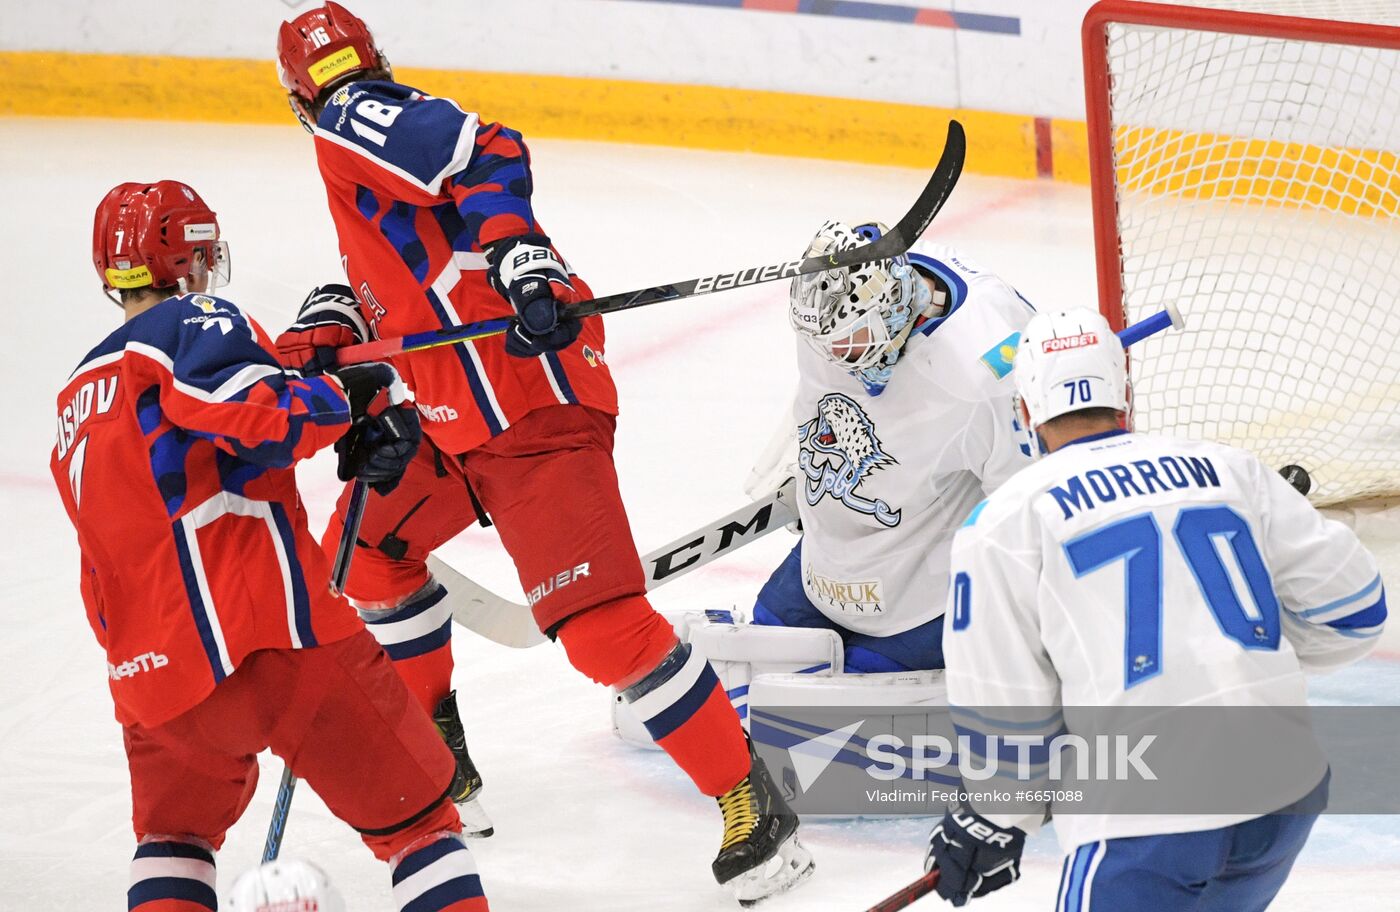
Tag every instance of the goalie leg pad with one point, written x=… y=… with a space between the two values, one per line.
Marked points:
x=907 y=704
x=169 y=874
x=417 y=637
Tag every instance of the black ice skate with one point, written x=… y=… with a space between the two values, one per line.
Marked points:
x=466 y=781
x=760 y=854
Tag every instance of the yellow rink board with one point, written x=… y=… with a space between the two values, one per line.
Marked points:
x=1194 y=165
x=42 y=83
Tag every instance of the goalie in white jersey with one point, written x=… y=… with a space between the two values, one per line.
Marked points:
x=903 y=422
x=1127 y=570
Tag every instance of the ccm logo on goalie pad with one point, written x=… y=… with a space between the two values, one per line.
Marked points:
x=557 y=581
x=1068 y=342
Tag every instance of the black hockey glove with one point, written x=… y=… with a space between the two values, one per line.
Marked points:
x=973 y=856
x=329 y=319
x=384 y=431
x=531 y=276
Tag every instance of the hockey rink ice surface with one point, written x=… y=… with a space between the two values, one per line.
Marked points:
x=583 y=822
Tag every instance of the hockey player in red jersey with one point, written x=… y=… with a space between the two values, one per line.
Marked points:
x=436 y=226
x=176 y=440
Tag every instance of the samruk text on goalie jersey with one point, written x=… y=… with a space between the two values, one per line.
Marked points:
x=1128 y=570
x=176 y=439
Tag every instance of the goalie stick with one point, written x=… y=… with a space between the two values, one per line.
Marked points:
x=511 y=624
x=893 y=243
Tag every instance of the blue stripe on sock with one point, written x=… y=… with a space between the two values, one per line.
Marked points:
x=425 y=856
x=679 y=712
x=422 y=645
x=156 y=888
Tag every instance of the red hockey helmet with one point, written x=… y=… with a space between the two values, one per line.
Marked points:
x=318 y=49
x=157 y=235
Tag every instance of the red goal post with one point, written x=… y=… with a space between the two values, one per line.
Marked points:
x=1246 y=166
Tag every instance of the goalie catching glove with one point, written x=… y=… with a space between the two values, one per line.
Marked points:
x=384 y=431
x=973 y=856
x=329 y=319
x=532 y=277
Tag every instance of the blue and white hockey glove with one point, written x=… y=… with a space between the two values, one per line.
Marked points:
x=528 y=274
x=384 y=429
x=973 y=855
x=329 y=319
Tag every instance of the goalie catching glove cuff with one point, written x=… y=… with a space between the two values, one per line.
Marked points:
x=384 y=431
x=532 y=277
x=973 y=856
x=329 y=319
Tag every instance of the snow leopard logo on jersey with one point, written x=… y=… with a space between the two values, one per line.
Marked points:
x=838 y=450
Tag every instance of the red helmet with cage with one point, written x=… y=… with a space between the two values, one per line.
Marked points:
x=318 y=49
x=158 y=235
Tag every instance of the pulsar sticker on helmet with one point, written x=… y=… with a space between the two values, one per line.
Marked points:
x=327 y=68
x=838 y=450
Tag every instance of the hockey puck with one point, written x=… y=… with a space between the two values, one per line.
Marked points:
x=1298 y=477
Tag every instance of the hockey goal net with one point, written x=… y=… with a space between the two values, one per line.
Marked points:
x=1246 y=166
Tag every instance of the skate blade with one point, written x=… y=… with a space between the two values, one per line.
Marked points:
x=475 y=823
x=788 y=867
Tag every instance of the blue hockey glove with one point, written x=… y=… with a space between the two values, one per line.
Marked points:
x=329 y=319
x=528 y=274
x=384 y=430
x=973 y=856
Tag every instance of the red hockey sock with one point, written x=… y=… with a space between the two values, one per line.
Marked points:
x=672 y=689
x=417 y=636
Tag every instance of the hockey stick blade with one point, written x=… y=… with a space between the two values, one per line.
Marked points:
x=893 y=243
x=511 y=624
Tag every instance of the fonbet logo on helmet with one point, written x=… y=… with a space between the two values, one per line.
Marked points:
x=1068 y=360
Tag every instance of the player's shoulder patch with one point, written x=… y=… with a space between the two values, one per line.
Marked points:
x=999 y=357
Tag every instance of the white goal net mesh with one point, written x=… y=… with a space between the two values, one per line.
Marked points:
x=1258 y=188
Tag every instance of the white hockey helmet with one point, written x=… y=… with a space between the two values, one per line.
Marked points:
x=285 y=885
x=860 y=317
x=1069 y=360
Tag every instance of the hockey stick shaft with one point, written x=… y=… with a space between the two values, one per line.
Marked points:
x=345 y=550
x=278 y=825
x=908 y=894
x=892 y=244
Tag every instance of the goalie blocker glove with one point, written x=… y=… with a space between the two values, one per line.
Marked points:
x=532 y=277
x=329 y=319
x=973 y=856
x=384 y=431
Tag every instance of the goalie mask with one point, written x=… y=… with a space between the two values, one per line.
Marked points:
x=1068 y=360
x=858 y=318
